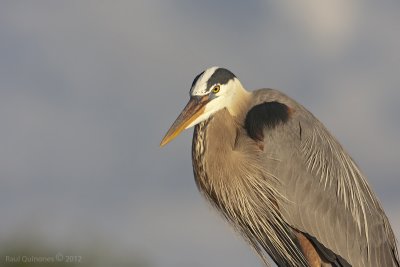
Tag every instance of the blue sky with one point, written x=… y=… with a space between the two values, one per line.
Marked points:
x=88 y=89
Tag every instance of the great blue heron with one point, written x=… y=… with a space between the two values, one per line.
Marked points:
x=280 y=178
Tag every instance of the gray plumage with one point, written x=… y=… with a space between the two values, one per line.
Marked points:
x=283 y=181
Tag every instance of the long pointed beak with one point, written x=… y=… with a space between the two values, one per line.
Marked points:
x=194 y=108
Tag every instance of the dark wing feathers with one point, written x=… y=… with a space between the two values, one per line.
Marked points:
x=329 y=200
x=265 y=115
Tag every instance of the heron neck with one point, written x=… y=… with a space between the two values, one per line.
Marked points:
x=239 y=103
x=221 y=132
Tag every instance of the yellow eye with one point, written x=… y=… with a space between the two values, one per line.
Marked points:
x=216 y=89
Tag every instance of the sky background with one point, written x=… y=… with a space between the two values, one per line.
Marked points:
x=89 y=88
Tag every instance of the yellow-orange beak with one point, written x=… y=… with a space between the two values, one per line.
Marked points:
x=194 y=108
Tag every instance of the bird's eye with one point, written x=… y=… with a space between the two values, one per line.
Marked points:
x=216 y=89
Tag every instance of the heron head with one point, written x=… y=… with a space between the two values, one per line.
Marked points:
x=211 y=91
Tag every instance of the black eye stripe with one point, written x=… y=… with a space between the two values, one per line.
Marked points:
x=220 y=76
